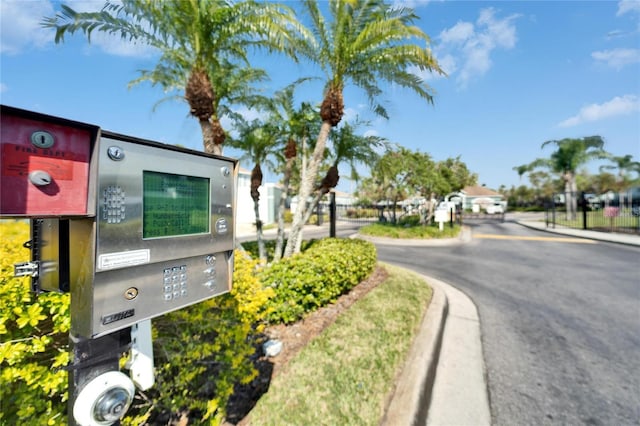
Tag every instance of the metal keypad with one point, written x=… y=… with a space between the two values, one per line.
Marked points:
x=175 y=283
x=113 y=206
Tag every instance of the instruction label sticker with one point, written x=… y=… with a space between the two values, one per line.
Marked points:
x=124 y=259
x=20 y=161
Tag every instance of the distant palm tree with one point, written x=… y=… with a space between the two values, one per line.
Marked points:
x=294 y=126
x=565 y=161
x=258 y=141
x=350 y=148
x=625 y=165
x=365 y=43
x=198 y=41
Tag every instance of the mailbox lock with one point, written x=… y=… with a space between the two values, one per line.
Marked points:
x=40 y=178
x=115 y=153
x=225 y=171
x=42 y=139
x=131 y=293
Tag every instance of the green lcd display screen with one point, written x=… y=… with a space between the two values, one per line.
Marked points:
x=174 y=205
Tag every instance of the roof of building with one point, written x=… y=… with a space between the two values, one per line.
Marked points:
x=480 y=191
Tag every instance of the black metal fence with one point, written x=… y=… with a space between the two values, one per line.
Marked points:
x=611 y=212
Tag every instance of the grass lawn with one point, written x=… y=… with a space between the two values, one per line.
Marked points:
x=597 y=219
x=346 y=375
x=414 y=231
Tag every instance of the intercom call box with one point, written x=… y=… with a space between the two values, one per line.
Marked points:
x=156 y=233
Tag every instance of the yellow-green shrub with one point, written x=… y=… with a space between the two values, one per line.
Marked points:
x=200 y=351
x=33 y=335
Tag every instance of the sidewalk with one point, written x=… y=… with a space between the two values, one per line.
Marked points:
x=443 y=382
x=611 y=237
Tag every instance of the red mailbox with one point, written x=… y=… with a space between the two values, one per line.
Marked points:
x=45 y=165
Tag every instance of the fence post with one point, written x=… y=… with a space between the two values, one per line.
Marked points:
x=332 y=215
x=583 y=201
x=319 y=214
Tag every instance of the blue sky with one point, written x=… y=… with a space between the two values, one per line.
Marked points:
x=519 y=74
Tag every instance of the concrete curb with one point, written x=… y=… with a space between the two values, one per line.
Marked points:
x=460 y=394
x=409 y=403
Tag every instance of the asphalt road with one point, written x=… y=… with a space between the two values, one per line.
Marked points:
x=560 y=321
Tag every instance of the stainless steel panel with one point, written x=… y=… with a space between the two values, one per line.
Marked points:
x=120 y=278
x=125 y=175
x=49 y=254
x=122 y=297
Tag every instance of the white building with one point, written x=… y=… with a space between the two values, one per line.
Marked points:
x=268 y=204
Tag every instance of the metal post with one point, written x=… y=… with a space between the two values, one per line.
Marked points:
x=319 y=214
x=332 y=215
x=583 y=200
x=91 y=358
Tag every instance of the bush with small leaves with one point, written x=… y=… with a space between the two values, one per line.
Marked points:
x=316 y=277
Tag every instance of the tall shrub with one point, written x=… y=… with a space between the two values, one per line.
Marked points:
x=34 y=333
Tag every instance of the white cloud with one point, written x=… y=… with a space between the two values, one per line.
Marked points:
x=114 y=45
x=617 y=58
x=3 y=88
x=20 y=25
x=459 y=33
x=620 y=105
x=467 y=47
x=625 y=6
x=350 y=115
x=409 y=3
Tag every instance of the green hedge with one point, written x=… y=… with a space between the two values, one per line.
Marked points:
x=316 y=277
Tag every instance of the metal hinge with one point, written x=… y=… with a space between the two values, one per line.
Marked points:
x=25 y=269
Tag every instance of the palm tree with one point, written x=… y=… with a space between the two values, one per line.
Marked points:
x=197 y=39
x=565 y=161
x=297 y=126
x=365 y=43
x=259 y=143
x=350 y=148
x=625 y=165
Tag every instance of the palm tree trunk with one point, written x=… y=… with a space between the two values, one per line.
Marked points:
x=306 y=187
x=262 y=254
x=207 y=138
x=570 y=200
x=281 y=208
